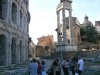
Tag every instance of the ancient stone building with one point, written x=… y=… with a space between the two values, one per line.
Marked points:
x=97 y=26
x=76 y=29
x=45 y=41
x=14 y=20
x=86 y=22
x=32 y=50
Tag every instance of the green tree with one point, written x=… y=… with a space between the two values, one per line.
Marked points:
x=83 y=33
x=91 y=34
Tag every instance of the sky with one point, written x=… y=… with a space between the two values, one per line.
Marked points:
x=44 y=19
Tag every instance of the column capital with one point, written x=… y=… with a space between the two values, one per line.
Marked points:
x=57 y=12
x=70 y=9
x=63 y=10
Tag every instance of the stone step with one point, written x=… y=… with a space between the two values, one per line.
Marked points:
x=65 y=54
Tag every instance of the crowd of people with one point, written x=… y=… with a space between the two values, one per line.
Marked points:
x=37 y=68
x=73 y=66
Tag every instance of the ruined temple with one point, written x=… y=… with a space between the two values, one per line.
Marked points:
x=14 y=33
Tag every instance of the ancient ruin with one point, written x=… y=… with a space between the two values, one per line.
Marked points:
x=14 y=33
x=62 y=37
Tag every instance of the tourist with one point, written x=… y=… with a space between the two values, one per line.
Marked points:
x=73 y=65
x=63 y=66
x=67 y=67
x=39 y=70
x=80 y=65
x=33 y=67
x=57 y=69
x=43 y=68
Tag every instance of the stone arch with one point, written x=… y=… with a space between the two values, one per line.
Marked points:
x=20 y=48
x=21 y=17
x=3 y=9
x=14 y=13
x=2 y=50
x=13 y=51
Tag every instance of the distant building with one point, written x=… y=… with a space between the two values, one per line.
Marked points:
x=45 y=41
x=32 y=49
x=97 y=25
x=86 y=22
x=76 y=28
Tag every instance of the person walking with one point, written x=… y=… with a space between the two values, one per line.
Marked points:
x=72 y=66
x=63 y=66
x=80 y=65
x=67 y=67
x=39 y=70
x=43 y=68
x=33 y=66
x=57 y=68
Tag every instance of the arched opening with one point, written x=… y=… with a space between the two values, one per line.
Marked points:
x=20 y=48
x=3 y=9
x=13 y=51
x=21 y=19
x=14 y=13
x=2 y=50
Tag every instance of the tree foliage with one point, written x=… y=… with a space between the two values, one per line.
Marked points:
x=90 y=34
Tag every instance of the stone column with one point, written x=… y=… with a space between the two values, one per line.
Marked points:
x=18 y=16
x=71 y=27
x=17 y=52
x=8 y=51
x=64 y=27
x=9 y=42
x=58 y=26
x=10 y=9
x=23 y=49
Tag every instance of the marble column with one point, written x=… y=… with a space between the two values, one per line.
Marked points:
x=58 y=26
x=71 y=27
x=64 y=27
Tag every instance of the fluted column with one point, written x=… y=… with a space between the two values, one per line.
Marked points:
x=64 y=27
x=71 y=27
x=58 y=26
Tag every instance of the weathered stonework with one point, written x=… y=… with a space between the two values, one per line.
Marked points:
x=14 y=20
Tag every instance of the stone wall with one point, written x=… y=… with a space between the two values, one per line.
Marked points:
x=13 y=32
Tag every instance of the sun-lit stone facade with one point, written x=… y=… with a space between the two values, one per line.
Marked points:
x=14 y=33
